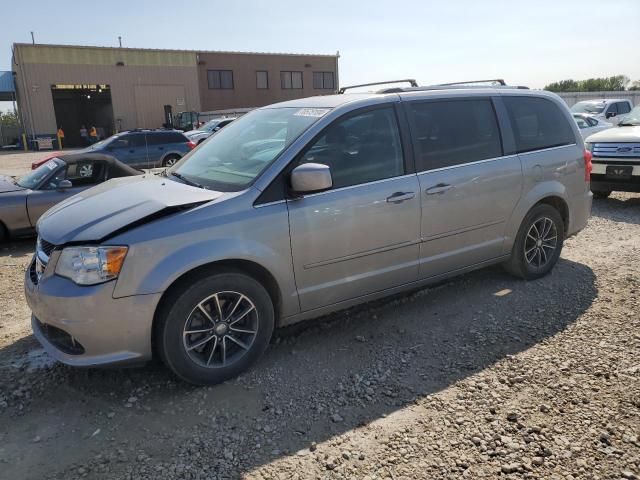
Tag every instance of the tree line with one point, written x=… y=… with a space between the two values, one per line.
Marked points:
x=603 y=84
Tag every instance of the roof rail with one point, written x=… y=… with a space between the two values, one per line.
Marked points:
x=410 y=81
x=499 y=81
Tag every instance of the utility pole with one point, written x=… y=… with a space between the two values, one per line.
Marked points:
x=33 y=40
x=120 y=41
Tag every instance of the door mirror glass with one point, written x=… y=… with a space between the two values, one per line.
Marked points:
x=311 y=177
x=64 y=184
x=610 y=114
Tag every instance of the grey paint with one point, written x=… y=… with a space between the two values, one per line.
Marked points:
x=325 y=251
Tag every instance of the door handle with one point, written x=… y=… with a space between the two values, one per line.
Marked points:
x=400 y=197
x=439 y=188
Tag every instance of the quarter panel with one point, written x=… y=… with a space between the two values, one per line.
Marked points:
x=13 y=211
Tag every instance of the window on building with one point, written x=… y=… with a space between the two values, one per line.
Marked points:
x=360 y=148
x=262 y=79
x=323 y=80
x=220 y=79
x=537 y=123
x=454 y=132
x=291 y=80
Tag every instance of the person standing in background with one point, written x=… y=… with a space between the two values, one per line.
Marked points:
x=84 y=136
x=93 y=135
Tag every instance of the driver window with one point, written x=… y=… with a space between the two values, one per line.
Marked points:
x=361 y=148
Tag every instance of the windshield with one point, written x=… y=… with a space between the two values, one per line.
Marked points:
x=588 y=107
x=210 y=125
x=35 y=177
x=631 y=119
x=237 y=154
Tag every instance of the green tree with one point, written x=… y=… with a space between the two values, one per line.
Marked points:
x=613 y=83
x=8 y=118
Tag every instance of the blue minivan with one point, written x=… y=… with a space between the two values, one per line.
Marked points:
x=146 y=148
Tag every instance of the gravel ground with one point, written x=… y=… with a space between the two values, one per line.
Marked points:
x=19 y=163
x=480 y=377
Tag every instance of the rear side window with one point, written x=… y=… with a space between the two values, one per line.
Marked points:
x=134 y=140
x=454 y=132
x=165 y=137
x=537 y=123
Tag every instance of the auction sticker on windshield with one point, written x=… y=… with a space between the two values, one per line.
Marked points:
x=51 y=165
x=311 y=112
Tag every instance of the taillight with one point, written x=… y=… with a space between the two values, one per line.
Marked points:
x=191 y=145
x=588 y=166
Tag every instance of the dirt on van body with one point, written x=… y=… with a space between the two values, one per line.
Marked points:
x=484 y=376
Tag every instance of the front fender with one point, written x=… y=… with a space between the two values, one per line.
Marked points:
x=545 y=189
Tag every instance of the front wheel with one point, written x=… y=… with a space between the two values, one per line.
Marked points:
x=170 y=161
x=215 y=328
x=538 y=243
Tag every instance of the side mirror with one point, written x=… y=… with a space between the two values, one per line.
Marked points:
x=310 y=178
x=610 y=114
x=64 y=185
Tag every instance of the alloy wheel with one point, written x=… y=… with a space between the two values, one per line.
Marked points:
x=85 y=170
x=220 y=330
x=541 y=242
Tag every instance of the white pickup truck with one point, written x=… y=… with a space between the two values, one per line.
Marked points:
x=616 y=157
x=607 y=109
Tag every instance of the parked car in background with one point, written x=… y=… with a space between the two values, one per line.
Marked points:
x=23 y=200
x=616 y=157
x=205 y=131
x=141 y=148
x=355 y=196
x=606 y=109
x=589 y=124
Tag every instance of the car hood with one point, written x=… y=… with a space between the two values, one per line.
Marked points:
x=116 y=205
x=7 y=185
x=617 y=135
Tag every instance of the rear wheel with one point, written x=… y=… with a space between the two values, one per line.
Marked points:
x=215 y=328
x=538 y=243
x=601 y=194
x=170 y=161
x=4 y=234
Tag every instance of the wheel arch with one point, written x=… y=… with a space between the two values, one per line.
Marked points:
x=248 y=267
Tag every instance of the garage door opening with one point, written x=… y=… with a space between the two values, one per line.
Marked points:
x=78 y=105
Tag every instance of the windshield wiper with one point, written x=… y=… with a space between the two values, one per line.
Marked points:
x=186 y=180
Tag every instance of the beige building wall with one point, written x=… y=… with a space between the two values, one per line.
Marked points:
x=140 y=87
x=244 y=66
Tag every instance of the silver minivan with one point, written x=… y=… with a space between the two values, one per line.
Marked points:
x=302 y=208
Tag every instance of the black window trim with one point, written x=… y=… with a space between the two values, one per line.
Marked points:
x=279 y=188
x=218 y=71
x=499 y=122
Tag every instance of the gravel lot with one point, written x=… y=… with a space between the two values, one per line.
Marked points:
x=480 y=377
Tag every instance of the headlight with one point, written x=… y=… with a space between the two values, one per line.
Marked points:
x=90 y=265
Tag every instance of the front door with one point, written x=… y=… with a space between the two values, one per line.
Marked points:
x=362 y=235
x=468 y=188
x=131 y=149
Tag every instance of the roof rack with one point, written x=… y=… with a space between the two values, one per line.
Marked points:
x=410 y=81
x=455 y=85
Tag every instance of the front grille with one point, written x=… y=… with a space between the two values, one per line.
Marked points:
x=45 y=246
x=61 y=339
x=617 y=150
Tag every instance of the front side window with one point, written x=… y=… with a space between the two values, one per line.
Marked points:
x=323 y=80
x=453 y=132
x=361 y=148
x=623 y=107
x=234 y=157
x=537 y=123
x=262 y=80
x=135 y=140
x=291 y=80
x=613 y=108
x=220 y=79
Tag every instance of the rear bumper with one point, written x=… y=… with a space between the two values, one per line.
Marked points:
x=601 y=183
x=579 y=212
x=86 y=326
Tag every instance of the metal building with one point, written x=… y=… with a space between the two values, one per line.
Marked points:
x=115 y=89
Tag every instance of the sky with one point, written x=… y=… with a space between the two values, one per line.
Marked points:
x=529 y=43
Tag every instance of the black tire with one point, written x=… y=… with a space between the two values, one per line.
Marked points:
x=601 y=195
x=170 y=160
x=201 y=140
x=520 y=266
x=182 y=307
x=4 y=234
